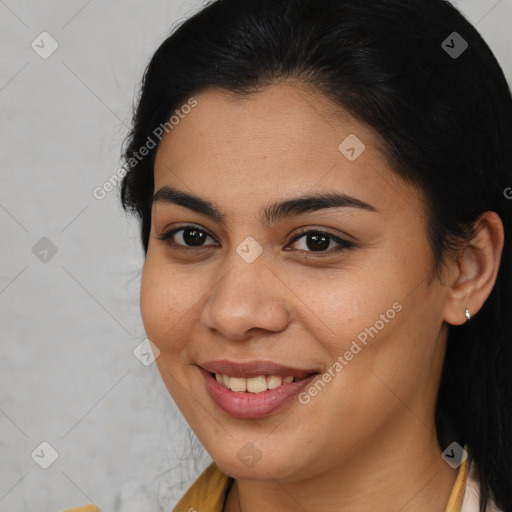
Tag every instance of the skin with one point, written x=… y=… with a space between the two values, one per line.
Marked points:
x=367 y=440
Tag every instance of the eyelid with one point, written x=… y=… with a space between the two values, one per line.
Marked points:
x=323 y=231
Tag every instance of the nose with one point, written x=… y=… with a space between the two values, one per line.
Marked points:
x=248 y=296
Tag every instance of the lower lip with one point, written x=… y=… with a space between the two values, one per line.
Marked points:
x=253 y=405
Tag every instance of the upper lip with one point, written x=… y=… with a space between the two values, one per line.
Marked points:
x=252 y=368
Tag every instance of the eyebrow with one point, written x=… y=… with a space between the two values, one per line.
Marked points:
x=270 y=214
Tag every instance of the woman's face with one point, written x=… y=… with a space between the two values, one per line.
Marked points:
x=353 y=302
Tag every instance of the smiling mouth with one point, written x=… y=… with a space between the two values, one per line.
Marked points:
x=254 y=396
x=256 y=384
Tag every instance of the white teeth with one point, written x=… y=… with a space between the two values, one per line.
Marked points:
x=257 y=384
x=238 y=384
x=274 y=381
x=253 y=384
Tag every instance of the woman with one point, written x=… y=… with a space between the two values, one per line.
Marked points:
x=324 y=196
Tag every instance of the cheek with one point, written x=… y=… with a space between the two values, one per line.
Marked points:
x=368 y=318
x=336 y=309
x=166 y=303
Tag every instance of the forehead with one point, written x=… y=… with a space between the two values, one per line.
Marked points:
x=286 y=112
x=286 y=138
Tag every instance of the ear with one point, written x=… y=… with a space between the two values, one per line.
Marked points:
x=473 y=274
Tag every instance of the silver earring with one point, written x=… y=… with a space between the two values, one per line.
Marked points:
x=468 y=314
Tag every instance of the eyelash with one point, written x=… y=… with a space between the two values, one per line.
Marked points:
x=343 y=244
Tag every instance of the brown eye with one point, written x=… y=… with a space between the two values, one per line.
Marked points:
x=319 y=241
x=189 y=237
x=193 y=236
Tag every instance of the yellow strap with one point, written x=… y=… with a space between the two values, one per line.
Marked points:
x=85 y=508
x=457 y=495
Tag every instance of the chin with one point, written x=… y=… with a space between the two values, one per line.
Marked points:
x=261 y=470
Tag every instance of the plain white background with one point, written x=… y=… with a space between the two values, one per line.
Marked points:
x=69 y=325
